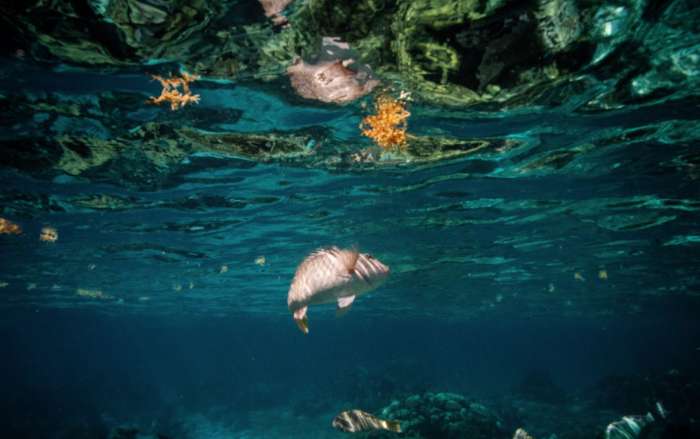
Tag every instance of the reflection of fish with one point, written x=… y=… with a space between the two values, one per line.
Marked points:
x=352 y=421
x=331 y=274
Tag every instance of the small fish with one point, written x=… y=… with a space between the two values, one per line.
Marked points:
x=8 y=227
x=603 y=274
x=521 y=434
x=48 y=234
x=329 y=275
x=260 y=260
x=353 y=421
x=579 y=277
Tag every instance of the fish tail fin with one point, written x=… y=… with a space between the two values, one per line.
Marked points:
x=394 y=426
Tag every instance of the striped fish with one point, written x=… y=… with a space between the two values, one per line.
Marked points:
x=332 y=275
x=353 y=421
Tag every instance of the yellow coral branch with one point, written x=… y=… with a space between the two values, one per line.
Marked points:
x=388 y=126
x=170 y=92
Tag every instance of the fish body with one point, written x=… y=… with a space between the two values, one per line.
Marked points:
x=333 y=275
x=521 y=434
x=353 y=421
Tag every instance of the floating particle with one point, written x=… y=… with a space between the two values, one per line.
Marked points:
x=191 y=285
x=499 y=298
x=7 y=227
x=48 y=234
x=31 y=286
x=578 y=276
x=603 y=274
x=92 y=294
x=223 y=269
x=177 y=288
x=92 y=267
x=143 y=299
x=3 y=284
x=260 y=260
x=551 y=288
x=172 y=94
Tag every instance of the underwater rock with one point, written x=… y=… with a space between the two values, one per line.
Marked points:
x=446 y=416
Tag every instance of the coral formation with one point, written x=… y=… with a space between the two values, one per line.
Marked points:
x=171 y=92
x=388 y=126
x=444 y=416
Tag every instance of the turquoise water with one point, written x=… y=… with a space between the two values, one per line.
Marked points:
x=544 y=261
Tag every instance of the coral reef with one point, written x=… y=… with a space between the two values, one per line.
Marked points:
x=388 y=126
x=450 y=52
x=171 y=93
x=446 y=416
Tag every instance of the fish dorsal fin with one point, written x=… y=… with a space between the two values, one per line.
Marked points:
x=349 y=259
x=344 y=304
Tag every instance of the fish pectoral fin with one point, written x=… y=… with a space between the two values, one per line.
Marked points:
x=302 y=320
x=303 y=324
x=344 y=304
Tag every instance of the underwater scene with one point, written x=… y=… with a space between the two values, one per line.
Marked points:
x=299 y=219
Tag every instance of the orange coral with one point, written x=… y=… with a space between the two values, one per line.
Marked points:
x=388 y=126
x=8 y=227
x=170 y=92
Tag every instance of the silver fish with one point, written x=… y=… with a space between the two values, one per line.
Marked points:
x=332 y=275
x=521 y=434
x=353 y=421
x=629 y=427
